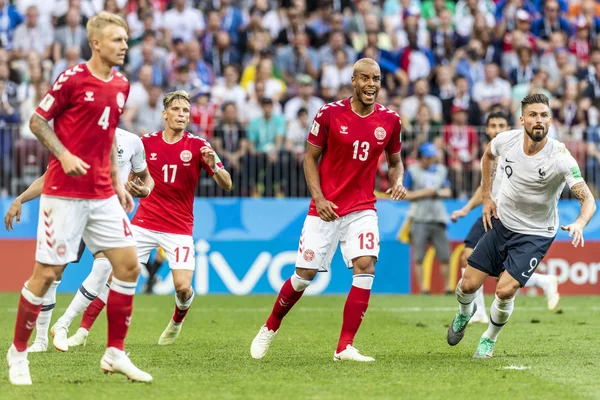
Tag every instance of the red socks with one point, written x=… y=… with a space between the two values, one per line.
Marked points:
x=288 y=296
x=26 y=316
x=118 y=311
x=91 y=313
x=354 y=311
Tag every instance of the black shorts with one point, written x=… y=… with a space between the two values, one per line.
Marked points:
x=475 y=234
x=79 y=252
x=501 y=250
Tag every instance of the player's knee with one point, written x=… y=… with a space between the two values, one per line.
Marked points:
x=307 y=274
x=506 y=292
x=364 y=265
x=183 y=289
x=45 y=274
x=468 y=285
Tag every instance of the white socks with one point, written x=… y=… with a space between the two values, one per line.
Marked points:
x=43 y=322
x=363 y=281
x=480 y=301
x=465 y=300
x=538 y=280
x=499 y=314
x=184 y=305
x=89 y=289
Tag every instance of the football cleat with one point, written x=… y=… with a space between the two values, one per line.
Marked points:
x=115 y=361
x=351 y=354
x=38 y=346
x=79 y=338
x=18 y=367
x=485 y=348
x=456 y=330
x=170 y=334
x=552 y=293
x=262 y=341
x=59 y=333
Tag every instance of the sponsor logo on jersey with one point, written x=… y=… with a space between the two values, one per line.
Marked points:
x=509 y=161
x=120 y=99
x=186 y=156
x=380 y=133
x=89 y=96
x=47 y=102
x=152 y=156
x=308 y=255
x=344 y=130
x=315 y=128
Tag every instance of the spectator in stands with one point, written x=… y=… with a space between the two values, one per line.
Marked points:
x=492 y=90
x=295 y=148
x=444 y=39
x=298 y=58
x=266 y=135
x=462 y=147
x=466 y=10
x=336 y=75
x=32 y=36
x=551 y=22
x=275 y=89
x=253 y=107
x=537 y=84
x=327 y=52
x=222 y=54
x=183 y=81
x=148 y=117
x=593 y=159
x=410 y=105
x=71 y=35
x=305 y=99
x=232 y=20
x=432 y=12
x=579 y=45
x=469 y=62
x=413 y=24
x=71 y=59
x=295 y=24
x=444 y=86
x=143 y=18
x=183 y=22
x=417 y=61
x=230 y=142
x=426 y=129
x=213 y=26
x=175 y=58
x=427 y=184
x=147 y=52
x=9 y=119
x=379 y=38
x=10 y=18
x=199 y=69
x=525 y=70
x=521 y=36
x=203 y=113
x=228 y=89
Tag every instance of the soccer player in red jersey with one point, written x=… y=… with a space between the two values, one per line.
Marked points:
x=348 y=136
x=166 y=218
x=83 y=196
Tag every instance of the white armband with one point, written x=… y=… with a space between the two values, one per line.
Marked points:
x=216 y=169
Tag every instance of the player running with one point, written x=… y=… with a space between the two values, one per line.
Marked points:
x=348 y=136
x=131 y=159
x=166 y=219
x=497 y=122
x=522 y=221
x=83 y=196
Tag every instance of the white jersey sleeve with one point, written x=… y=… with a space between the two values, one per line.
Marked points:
x=138 y=160
x=504 y=141
x=130 y=150
x=567 y=166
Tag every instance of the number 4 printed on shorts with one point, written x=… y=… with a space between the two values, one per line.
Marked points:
x=126 y=228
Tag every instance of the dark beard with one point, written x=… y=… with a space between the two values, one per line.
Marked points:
x=537 y=137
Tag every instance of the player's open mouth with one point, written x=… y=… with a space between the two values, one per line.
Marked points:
x=369 y=95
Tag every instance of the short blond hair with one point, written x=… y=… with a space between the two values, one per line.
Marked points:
x=100 y=21
x=360 y=64
x=176 y=95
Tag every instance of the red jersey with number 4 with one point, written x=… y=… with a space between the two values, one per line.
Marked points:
x=351 y=147
x=86 y=112
x=175 y=168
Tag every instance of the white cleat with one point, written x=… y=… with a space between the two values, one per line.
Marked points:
x=79 y=338
x=351 y=354
x=552 y=293
x=59 y=333
x=18 y=367
x=115 y=361
x=38 y=346
x=262 y=341
x=481 y=318
x=170 y=334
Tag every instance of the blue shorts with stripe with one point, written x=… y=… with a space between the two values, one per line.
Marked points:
x=501 y=249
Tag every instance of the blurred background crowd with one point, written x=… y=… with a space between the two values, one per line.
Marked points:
x=259 y=70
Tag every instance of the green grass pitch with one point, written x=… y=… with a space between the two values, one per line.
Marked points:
x=539 y=355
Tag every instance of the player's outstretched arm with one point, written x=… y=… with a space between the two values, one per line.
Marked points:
x=220 y=174
x=588 y=208
x=71 y=164
x=395 y=176
x=489 y=207
x=325 y=208
x=32 y=192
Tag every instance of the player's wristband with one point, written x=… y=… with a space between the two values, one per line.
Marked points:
x=149 y=191
x=216 y=169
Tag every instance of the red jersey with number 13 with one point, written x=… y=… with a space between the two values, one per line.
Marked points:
x=351 y=147
x=175 y=168
x=86 y=112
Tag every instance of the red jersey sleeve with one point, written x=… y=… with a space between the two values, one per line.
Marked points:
x=319 y=131
x=58 y=97
x=204 y=144
x=394 y=146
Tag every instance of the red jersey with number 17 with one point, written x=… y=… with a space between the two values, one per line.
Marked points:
x=351 y=147
x=86 y=111
x=175 y=168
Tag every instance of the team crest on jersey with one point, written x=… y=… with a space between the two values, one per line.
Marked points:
x=308 y=255
x=120 y=99
x=380 y=133
x=47 y=102
x=186 y=156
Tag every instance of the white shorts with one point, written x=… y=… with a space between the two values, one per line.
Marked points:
x=180 y=250
x=357 y=233
x=63 y=222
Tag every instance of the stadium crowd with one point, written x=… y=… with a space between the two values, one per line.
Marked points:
x=259 y=70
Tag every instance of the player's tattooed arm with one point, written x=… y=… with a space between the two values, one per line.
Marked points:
x=487 y=172
x=46 y=135
x=588 y=204
x=71 y=164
